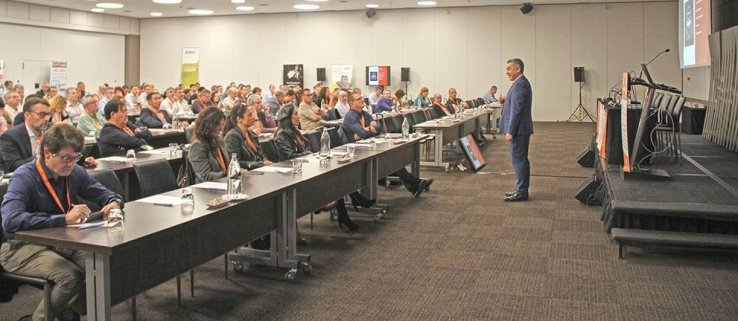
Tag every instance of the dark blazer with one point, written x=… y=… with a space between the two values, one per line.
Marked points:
x=205 y=162
x=198 y=106
x=287 y=146
x=19 y=119
x=114 y=141
x=438 y=112
x=352 y=125
x=235 y=142
x=450 y=105
x=15 y=148
x=516 y=113
x=152 y=121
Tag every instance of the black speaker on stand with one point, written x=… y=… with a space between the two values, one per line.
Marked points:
x=405 y=77
x=321 y=74
x=579 y=112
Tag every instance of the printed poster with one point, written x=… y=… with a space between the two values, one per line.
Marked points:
x=292 y=75
x=342 y=76
x=190 y=65
x=58 y=75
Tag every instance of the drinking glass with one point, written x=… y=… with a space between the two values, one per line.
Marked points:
x=116 y=220
x=173 y=149
x=297 y=166
x=188 y=201
x=131 y=155
x=350 y=149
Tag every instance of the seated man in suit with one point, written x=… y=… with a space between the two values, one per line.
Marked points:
x=19 y=144
x=41 y=195
x=119 y=135
x=439 y=109
x=454 y=102
x=203 y=101
x=153 y=116
x=384 y=104
x=358 y=125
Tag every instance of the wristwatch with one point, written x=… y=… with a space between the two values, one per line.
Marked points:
x=120 y=202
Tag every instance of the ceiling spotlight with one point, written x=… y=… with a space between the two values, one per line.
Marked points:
x=245 y=8
x=317 y=0
x=156 y=14
x=372 y=5
x=167 y=1
x=109 y=5
x=426 y=3
x=200 y=12
x=238 y=1
x=306 y=6
x=97 y=10
x=526 y=8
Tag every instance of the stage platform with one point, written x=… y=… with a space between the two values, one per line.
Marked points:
x=701 y=196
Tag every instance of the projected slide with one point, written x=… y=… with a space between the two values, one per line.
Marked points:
x=694 y=23
x=377 y=75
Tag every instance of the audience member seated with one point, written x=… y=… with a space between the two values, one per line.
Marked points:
x=439 y=109
x=41 y=195
x=422 y=100
x=167 y=103
x=358 y=125
x=133 y=98
x=203 y=101
x=454 y=102
x=180 y=106
x=384 y=104
x=153 y=116
x=310 y=114
x=91 y=122
x=5 y=119
x=13 y=105
x=119 y=135
x=74 y=107
x=207 y=153
x=342 y=106
x=104 y=97
x=275 y=102
x=230 y=98
x=489 y=97
x=241 y=141
x=57 y=108
x=374 y=97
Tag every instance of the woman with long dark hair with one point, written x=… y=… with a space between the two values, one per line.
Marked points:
x=240 y=140
x=207 y=153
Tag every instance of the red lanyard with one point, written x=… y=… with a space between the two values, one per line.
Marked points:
x=221 y=160
x=250 y=142
x=125 y=129
x=51 y=189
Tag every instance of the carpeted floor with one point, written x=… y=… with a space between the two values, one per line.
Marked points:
x=461 y=253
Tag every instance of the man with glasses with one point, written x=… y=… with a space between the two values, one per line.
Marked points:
x=119 y=135
x=455 y=103
x=91 y=121
x=41 y=195
x=310 y=113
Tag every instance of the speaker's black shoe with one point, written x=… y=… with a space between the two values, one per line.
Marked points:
x=69 y=315
x=345 y=220
x=428 y=183
x=360 y=200
x=508 y=194
x=517 y=197
x=26 y=318
x=420 y=188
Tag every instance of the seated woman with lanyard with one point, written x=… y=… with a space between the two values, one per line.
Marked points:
x=241 y=141
x=290 y=143
x=207 y=154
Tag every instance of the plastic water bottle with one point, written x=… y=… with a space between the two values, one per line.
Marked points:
x=234 y=178
x=188 y=201
x=405 y=129
x=325 y=145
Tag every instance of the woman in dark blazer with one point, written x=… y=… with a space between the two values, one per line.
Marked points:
x=241 y=141
x=292 y=144
x=207 y=155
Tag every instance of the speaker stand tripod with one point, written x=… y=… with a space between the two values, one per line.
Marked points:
x=580 y=112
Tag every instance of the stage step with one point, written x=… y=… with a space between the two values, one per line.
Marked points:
x=707 y=240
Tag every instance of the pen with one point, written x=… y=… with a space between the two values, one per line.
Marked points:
x=164 y=204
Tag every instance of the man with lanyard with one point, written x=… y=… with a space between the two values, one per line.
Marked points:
x=43 y=194
x=118 y=135
x=358 y=125
x=153 y=116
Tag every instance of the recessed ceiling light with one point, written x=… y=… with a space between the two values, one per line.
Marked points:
x=238 y=1
x=167 y=1
x=426 y=3
x=200 y=12
x=245 y=8
x=109 y=5
x=156 y=14
x=98 y=10
x=306 y=6
x=372 y=5
x=317 y=0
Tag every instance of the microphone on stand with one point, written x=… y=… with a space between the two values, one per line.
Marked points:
x=654 y=58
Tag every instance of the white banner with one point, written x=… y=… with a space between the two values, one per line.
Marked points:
x=342 y=76
x=58 y=75
x=2 y=69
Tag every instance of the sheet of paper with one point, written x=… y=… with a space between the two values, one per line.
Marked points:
x=113 y=159
x=212 y=186
x=162 y=200
x=273 y=169
x=160 y=151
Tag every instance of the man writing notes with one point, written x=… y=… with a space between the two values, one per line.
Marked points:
x=517 y=125
x=42 y=194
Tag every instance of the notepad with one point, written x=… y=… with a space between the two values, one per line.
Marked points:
x=212 y=186
x=162 y=200
x=156 y=152
x=119 y=159
x=272 y=169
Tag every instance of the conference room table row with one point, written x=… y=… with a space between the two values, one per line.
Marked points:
x=450 y=128
x=159 y=138
x=159 y=241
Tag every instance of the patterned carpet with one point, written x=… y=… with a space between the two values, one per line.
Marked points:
x=460 y=253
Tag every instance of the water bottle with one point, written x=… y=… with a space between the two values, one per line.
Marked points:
x=325 y=145
x=188 y=201
x=175 y=121
x=234 y=178
x=405 y=129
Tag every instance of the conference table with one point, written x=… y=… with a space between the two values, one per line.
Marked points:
x=449 y=129
x=159 y=138
x=158 y=243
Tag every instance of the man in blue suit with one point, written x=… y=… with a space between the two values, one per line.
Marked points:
x=517 y=125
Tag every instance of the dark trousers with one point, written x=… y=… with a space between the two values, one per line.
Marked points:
x=410 y=181
x=519 y=154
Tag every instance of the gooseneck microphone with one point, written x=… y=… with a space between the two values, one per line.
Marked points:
x=654 y=58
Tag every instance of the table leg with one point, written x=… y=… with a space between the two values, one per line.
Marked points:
x=97 y=271
x=438 y=152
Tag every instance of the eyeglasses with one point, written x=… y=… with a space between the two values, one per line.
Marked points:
x=305 y=95
x=41 y=114
x=68 y=158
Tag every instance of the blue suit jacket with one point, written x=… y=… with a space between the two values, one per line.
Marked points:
x=516 y=114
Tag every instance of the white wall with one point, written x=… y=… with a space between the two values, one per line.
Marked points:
x=12 y=12
x=92 y=57
x=461 y=47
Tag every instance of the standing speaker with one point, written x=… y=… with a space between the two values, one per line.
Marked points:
x=579 y=74
x=321 y=74
x=405 y=74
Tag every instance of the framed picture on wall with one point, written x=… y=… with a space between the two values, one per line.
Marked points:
x=292 y=75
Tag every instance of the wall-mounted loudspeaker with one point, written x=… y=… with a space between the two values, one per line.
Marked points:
x=526 y=8
x=321 y=74
x=370 y=13
x=405 y=75
x=579 y=74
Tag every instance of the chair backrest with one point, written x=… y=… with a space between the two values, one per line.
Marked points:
x=335 y=137
x=314 y=140
x=664 y=103
x=342 y=134
x=155 y=177
x=419 y=116
x=677 y=111
x=410 y=120
x=389 y=124
x=270 y=151
x=189 y=132
x=471 y=103
x=397 y=120
x=107 y=178
x=480 y=101
x=3 y=190
x=657 y=99
x=672 y=104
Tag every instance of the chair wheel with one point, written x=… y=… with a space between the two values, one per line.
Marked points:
x=290 y=275
x=306 y=268
x=238 y=267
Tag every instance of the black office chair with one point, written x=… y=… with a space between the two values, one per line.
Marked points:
x=270 y=151
x=314 y=140
x=389 y=125
x=335 y=137
x=189 y=132
x=670 y=127
x=107 y=178
x=480 y=101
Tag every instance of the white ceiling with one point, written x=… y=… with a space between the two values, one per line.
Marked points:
x=143 y=8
